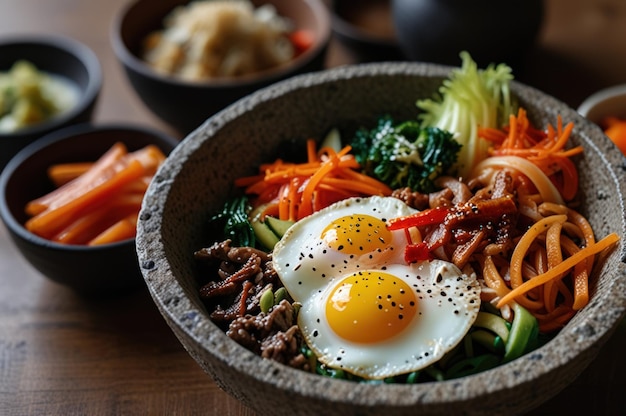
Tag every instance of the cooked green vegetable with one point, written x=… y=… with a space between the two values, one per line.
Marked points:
x=29 y=96
x=263 y=233
x=470 y=98
x=234 y=222
x=278 y=226
x=266 y=302
x=405 y=154
x=243 y=226
x=523 y=335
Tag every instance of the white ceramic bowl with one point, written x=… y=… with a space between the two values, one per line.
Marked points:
x=610 y=101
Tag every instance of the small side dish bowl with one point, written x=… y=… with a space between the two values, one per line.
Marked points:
x=59 y=56
x=197 y=179
x=367 y=31
x=186 y=104
x=93 y=270
x=610 y=101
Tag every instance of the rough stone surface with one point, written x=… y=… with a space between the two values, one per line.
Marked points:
x=197 y=178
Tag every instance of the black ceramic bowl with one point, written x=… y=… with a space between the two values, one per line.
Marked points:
x=90 y=270
x=185 y=105
x=367 y=31
x=60 y=56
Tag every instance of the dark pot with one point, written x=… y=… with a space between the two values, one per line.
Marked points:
x=492 y=31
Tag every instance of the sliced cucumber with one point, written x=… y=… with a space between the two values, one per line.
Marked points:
x=264 y=234
x=332 y=140
x=278 y=226
x=523 y=332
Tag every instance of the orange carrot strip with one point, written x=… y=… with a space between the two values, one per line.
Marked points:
x=69 y=191
x=62 y=173
x=564 y=134
x=493 y=279
x=49 y=222
x=303 y=188
x=374 y=184
x=307 y=193
x=555 y=256
x=559 y=269
x=88 y=226
x=294 y=208
x=352 y=185
x=121 y=230
x=150 y=156
x=524 y=244
x=544 y=149
x=283 y=202
x=140 y=186
x=311 y=151
x=246 y=181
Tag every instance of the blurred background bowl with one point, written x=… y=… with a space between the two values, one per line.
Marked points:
x=492 y=31
x=367 y=31
x=607 y=109
x=607 y=102
x=185 y=105
x=90 y=270
x=59 y=56
x=197 y=179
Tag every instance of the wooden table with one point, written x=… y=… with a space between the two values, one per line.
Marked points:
x=61 y=354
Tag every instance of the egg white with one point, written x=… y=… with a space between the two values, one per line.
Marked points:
x=305 y=265
x=447 y=299
x=448 y=303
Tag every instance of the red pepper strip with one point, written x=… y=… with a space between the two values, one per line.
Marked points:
x=427 y=217
x=417 y=252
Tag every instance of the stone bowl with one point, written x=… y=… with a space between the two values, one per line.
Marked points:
x=197 y=179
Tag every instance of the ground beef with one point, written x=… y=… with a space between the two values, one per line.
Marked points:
x=413 y=199
x=272 y=335
x=234 y=279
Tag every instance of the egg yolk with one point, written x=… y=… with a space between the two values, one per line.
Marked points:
x=357 y=234
x=370 y=307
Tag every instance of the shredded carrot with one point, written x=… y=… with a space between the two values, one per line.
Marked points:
x=544 y=149
x=300 y=189
x=108 y=191
x=558 y=270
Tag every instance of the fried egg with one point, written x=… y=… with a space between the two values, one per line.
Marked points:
x=364 y=310
x=347 y=236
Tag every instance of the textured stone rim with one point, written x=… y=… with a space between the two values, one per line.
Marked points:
x=581 y=338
